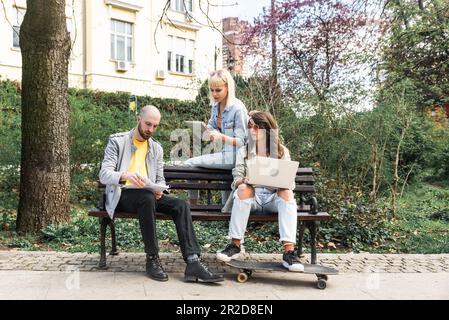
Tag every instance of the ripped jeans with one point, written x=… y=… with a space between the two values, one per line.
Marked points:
x=265 y=201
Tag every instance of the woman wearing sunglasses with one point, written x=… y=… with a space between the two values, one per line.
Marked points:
x=263 y=141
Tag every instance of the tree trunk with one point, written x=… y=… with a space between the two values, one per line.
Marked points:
x=402 y=13
x=421 y=4
x=45 y=171
x=274 y=60
x=374 y=181
x=394 y=188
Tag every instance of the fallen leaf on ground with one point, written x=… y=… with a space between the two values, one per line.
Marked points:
x=331 y=245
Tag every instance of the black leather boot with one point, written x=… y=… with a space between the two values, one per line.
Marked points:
x=196 y=271
x=154 y=268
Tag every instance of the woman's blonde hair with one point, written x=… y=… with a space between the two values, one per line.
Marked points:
x=219 y=78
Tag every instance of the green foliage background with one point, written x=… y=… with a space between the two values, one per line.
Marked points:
x=353 y=153
x=357 y=222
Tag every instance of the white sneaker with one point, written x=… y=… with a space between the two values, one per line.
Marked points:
x=291 y=261
x=229 y=253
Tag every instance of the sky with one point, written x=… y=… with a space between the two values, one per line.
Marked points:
x=244 y=9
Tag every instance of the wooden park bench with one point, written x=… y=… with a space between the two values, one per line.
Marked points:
x=215 y=180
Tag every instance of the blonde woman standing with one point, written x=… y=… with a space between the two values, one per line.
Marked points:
x=227 y=124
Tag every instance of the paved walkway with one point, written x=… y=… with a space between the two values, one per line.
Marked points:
x=58 y=275
x=135 y=262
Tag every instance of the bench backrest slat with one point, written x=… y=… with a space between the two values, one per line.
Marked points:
x=169 y=176
x=226 y=186
x=301 y=171
x=199 y=186
x=198 y=176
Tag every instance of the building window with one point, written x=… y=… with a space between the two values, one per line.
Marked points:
x=169 y=59
x=190 y=47
x=17 y=21
x=180 y=55
x=178 y=5
x=121 y=40
x=15 y=36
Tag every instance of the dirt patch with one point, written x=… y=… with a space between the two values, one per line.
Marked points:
x=3 y=247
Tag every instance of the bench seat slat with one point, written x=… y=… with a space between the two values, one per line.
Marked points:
x=217 y=207
x=216 y=216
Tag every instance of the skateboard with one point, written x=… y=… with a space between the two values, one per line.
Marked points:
x=247 y=267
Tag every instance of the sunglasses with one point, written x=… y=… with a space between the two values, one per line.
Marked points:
x=251 y=124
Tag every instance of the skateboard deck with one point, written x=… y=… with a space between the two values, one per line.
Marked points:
x=247 y=267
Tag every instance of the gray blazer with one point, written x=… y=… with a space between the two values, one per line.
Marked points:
x=117 y=157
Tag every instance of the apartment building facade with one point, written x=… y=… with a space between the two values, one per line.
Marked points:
x=158 y=48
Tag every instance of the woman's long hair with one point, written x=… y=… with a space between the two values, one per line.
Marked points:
x=270 y=129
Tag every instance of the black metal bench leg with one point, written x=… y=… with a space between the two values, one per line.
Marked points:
x=302 y=200
x=313 y=228
x=302 y=228
x=114 y=251
x=104 y=223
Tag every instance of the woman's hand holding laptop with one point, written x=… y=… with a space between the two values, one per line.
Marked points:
x=241 y=180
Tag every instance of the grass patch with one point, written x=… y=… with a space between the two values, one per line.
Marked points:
x=421 y=224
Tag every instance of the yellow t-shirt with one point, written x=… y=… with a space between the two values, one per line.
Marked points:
x=138 y=162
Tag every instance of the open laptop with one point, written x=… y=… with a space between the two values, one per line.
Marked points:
x=272 y=172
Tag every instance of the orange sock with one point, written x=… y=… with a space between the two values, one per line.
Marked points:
x=236 y=242
x=288 y=246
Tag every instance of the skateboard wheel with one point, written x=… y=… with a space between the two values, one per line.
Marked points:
x=322 y=276
x=321 y=284
x=242 y=277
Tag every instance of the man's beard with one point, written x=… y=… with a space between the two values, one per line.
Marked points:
x=144 y=135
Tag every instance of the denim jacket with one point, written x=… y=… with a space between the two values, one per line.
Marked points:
x=233 y=123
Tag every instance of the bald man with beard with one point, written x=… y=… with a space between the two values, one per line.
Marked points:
x=132 y=158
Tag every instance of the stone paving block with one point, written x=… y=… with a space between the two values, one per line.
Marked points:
x=407 y=270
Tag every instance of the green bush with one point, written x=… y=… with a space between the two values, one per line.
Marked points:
x=356 y=221
x=440 y=158
x=10 y=144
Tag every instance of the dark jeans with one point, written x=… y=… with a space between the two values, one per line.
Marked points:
x=145 y=204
